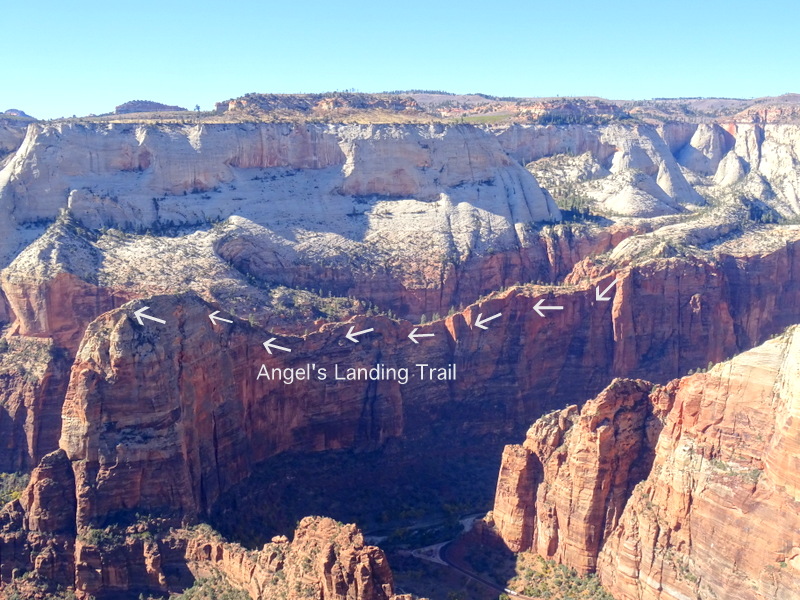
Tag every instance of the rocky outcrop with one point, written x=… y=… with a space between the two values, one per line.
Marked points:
x=658 y=489
x=706 y=148
x=637 y=174
x=33 y=379
x=764 y=165
x=12 y=132
x=563 y=490
x=37 y=532
x=324 y=560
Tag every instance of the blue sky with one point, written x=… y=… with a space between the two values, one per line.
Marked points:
x=60 y=60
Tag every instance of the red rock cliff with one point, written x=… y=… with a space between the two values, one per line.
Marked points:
x=688 y=490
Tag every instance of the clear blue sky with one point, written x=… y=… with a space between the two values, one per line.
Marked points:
x=64 y=58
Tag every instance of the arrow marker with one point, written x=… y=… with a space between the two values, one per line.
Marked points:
x=214 y=318
x=601 y=296
x=539 y=308
x=268 y=346
x=352 y=336
x=139 y=314
x=414 y=335
x=480 y=322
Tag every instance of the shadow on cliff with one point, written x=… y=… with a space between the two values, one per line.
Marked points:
x=404 y=495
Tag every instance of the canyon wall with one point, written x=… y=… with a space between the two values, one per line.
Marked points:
x=209 y=420
x=162 y=419
x=133 y=176
x=685 y=490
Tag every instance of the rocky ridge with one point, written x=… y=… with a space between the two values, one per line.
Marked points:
x=145 y=106
x=319 y=104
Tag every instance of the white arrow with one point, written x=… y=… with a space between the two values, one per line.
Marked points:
x=539 y=308
x=139 y=314
x=268 y=346
x=414 y=335
x=601 y=296
x=352 y=336
x=214 y=318
x=480 y=322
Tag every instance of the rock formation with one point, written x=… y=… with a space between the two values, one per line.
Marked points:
x=37 y=535
x=332 y=179
x=324 y=560
x=686 y=490
x=302 y=230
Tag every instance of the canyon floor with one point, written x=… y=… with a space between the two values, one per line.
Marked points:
x=604 y=296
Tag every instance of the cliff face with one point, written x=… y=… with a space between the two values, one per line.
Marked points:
x=33 y=378
x=12 y=132
x=658 y=488
x=137 y=175
x=209 y=420
x=216 y=420
x=579 y=468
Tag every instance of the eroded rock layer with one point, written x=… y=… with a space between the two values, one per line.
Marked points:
x=681 y=491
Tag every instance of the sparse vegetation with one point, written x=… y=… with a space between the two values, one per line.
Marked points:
x=215 y=587
x=106 y=537
x=540 y=578
x=29 y=586
x=11 y=486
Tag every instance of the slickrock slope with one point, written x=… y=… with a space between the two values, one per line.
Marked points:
x=682 y=491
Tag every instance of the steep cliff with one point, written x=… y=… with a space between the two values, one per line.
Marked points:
x=12 y=132
x=659 y=489
x=342 y=182
x=209 y=420
x=216 y=421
